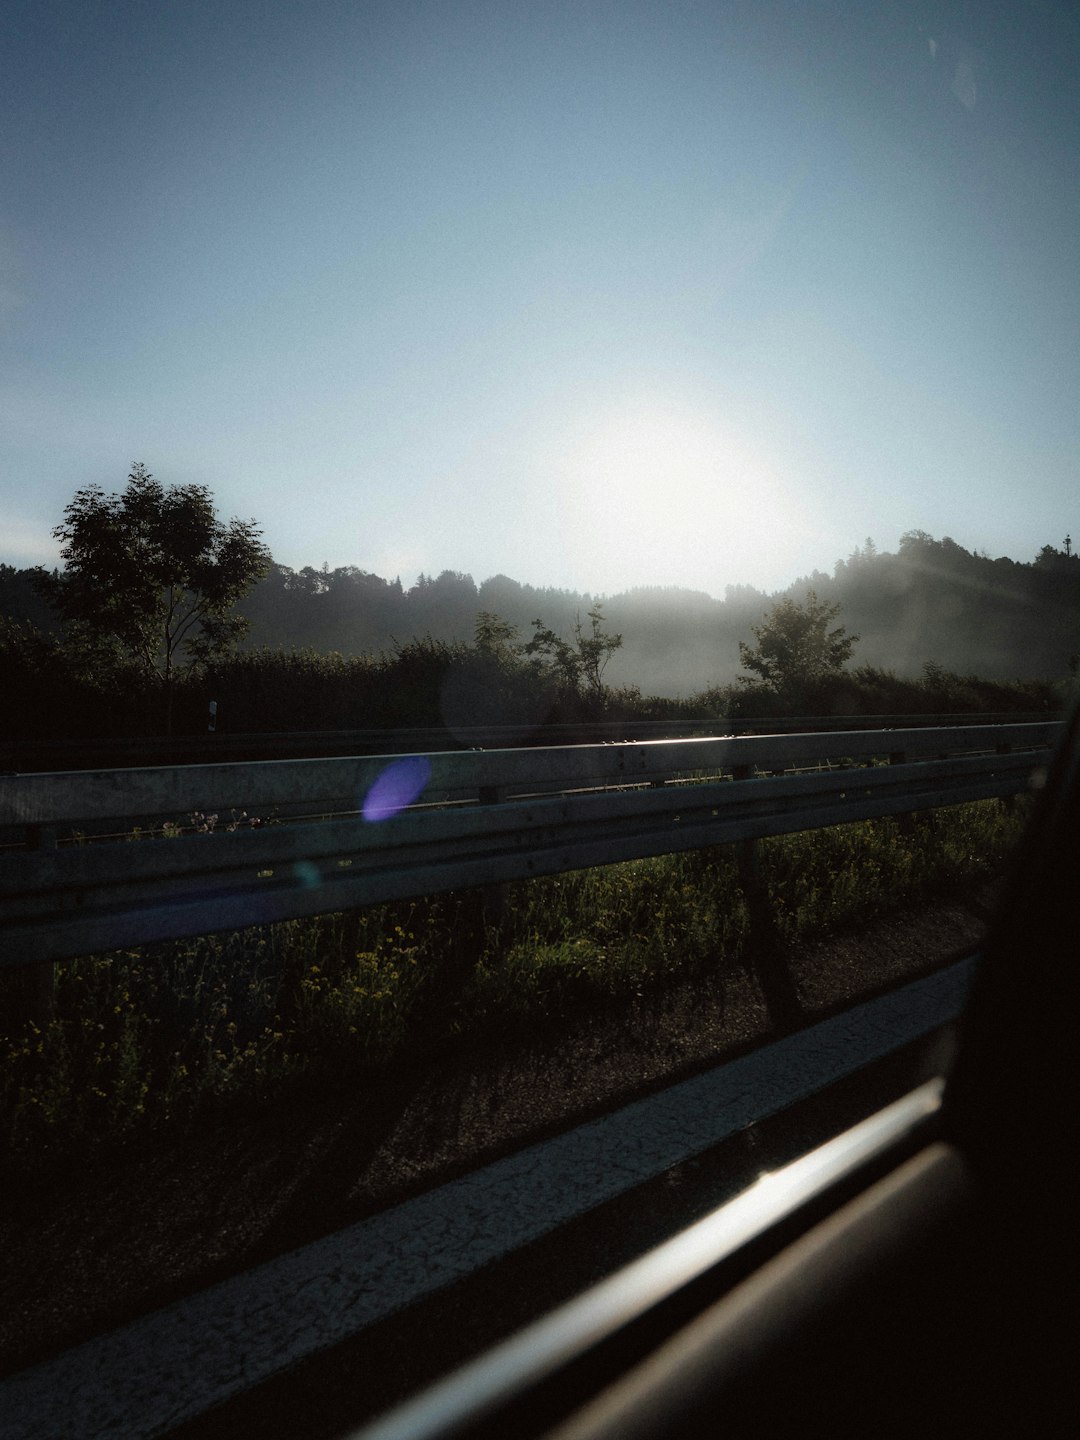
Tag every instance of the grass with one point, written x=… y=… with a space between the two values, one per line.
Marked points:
x=150 y=1040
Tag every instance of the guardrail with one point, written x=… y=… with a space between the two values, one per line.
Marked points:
x=207 y=749
x=361 y=830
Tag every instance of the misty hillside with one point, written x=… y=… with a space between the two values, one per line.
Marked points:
x=931 y=601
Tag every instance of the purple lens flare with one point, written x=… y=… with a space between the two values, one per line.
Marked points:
x=399 y=785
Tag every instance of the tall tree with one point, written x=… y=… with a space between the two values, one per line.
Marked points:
x=796 y=648
x=153 y=574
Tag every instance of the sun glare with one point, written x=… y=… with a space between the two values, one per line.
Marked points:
x=658 y=495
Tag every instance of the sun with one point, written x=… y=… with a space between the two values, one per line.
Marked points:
x=657 y=493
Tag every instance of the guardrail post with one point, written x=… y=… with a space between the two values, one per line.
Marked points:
x=1008 y=802
x=764 y=948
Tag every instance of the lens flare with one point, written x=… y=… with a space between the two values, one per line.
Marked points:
x=307 y=874
x=399 y=785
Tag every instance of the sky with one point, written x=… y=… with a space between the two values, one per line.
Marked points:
x=593 y=294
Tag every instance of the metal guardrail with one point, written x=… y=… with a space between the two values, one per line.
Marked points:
x=477 y=818
x=27 y=754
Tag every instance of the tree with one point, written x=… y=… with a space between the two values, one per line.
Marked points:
x=595 y=649
x=581 y=664
x=796 y=648
x=152 y=575
x=496 y=638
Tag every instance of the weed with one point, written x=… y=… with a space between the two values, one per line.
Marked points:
x=157 y=1036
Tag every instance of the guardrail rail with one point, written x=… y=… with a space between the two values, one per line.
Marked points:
x=221 y=746
x=73 y=880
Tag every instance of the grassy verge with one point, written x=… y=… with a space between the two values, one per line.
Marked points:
x=150 y=1040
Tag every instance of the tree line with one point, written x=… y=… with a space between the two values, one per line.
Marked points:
x=160 y=605
x=931 y=601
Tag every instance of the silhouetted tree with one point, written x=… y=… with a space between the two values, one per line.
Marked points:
x=580 y=665
x=796 y=649
x=595 y=649
x=496 y=637
x=153 y=575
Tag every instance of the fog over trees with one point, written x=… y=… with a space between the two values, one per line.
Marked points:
x=932 y=602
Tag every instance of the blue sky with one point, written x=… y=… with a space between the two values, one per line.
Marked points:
x=590 y=294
